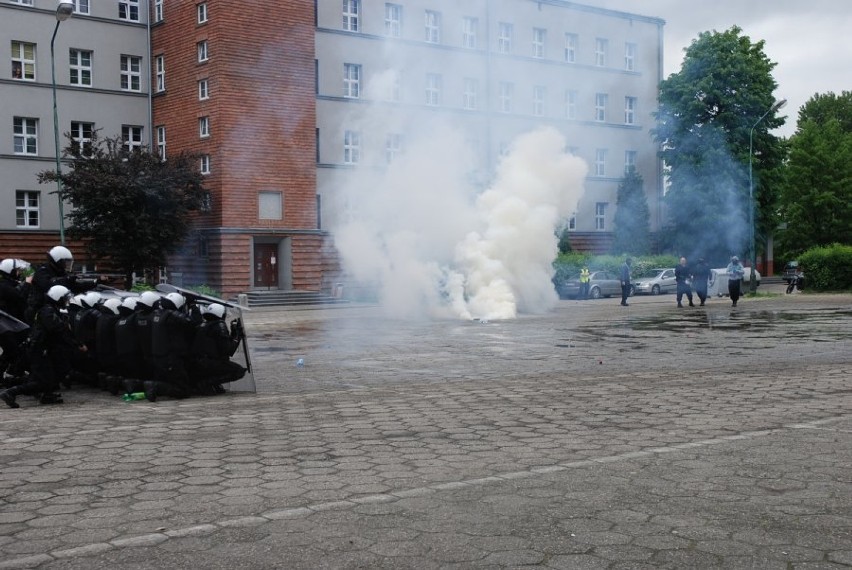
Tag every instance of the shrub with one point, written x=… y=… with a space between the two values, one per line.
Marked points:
x=827 y=268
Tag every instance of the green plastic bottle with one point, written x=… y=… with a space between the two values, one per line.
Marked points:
x=133 y=397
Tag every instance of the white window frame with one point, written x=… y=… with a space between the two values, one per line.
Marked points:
x=601 y=155
x=393 y=20
x=351 y=15
x=201 y=11
x=601 y=101
x=160 y=63
x=601 y=49
x=571 y=103
x=158 y=10
x=81 y=6
x=351 y=147
x=203 y=127
x=26 y=64
x=600 y=216
x=204 y=164
x=23 y=2
x=351 y=81
x=25 y=138
x=470 y=27
x=128 y=10
x=203 y=89
x=24 y=207
x=539 y=39
x=571 y=42
x=203 y=53
x=630 y=157
x=80 y=67
x=131 y=73
x=161 y=142
x=539 y=99
x=630 y=110
x=470 y=94
x=630 y=50
x=506 y=94
x=505 y=30
x=131 y=136
x=393 y=146
x=433 y=89
x=81 y=134
x=432 y=26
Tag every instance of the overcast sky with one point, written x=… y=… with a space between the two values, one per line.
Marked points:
x=810 y=40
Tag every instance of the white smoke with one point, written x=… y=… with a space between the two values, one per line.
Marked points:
x=435 y=244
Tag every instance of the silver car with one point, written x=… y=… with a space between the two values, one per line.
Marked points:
x=662 y=281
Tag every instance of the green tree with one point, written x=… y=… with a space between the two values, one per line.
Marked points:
x=130 y=206
x=816 y=201
x=706 y=113
x=632 y=217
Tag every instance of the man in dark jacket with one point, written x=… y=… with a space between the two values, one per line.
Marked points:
x=700 y=279
x=171 y=337
x=212 y=348
x=54 y=272
x=625 y=281
x=684 y=287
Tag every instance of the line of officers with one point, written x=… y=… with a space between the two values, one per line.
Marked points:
x=161 y=345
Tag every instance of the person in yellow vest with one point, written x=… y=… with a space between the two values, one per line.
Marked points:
x=584 y=283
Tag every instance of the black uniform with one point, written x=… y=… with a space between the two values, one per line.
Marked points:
x=171 y=337
x=683 y=287
x=48 y=275
x=128 y=351
x=212 y=349
x=13 y=300
x=700 y=278
x=107 y=354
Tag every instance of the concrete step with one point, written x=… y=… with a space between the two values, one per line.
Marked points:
x=273 y=298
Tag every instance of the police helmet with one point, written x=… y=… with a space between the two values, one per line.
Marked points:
x=57 y=293
x=60 y=253
x=76 y=300
x=148 y=299
x=177 y=299
x=130 y=303
x=112 y=304
x=216 y=309
x=91 y=299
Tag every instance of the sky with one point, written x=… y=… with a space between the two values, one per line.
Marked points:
x=808 y=39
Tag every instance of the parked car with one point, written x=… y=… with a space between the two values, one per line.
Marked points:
x=747 y=277
x=601 y=284
x=791 y=271
x=660 y=281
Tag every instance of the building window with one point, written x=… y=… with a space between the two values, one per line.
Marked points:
x=351 y=80
x=23 y=2
x=23 y=61
x=433 y=27
x=539 y=36
x=630 y=57
x=131 y=73
x=202 y=51
x=433 y=89
x=572 y=223
x=539 y=97
x=629 y=110
x=469 y=29
x=269 y=205
x=81 y=6
x=351 y=11
x=393 y=20
x=81 y=134
x=571 y=41
x=205 y=164
x=629 y=161
x=470 y=93
x=202 y=12
x=600 y=216
x=204 y=127
x=27 y=209
x=351 y=147
x=601 y=47
x=507 y=90
x=131 y=136
x=25 y=136
x=161 y=142
x=504 y=37
x=570 y=104
x=158 y=10
x=161 y=72
x=600 y=161
x=81 y=67
x=600 y=106
x=393 y=146
x=203 y=90
x=206 y=206
x=128 y=10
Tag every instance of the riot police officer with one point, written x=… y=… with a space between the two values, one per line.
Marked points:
x=13 y=300
x=212 y=348
x=171 y=337
x=54 y=272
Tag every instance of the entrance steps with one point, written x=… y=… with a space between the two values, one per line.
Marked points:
x=277 y=297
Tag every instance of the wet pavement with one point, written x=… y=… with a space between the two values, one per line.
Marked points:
x=595 y=436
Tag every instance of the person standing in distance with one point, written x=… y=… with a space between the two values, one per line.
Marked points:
x=735 y=271
x=700 y=279
x=585 y=276
x=625 y=281
x=683 y=286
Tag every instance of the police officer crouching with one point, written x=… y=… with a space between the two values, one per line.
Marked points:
x=212 y=349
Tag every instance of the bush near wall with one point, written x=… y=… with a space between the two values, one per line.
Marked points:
x=568 y=265
x=827 y=268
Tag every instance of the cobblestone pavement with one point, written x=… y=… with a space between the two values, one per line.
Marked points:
x=594 y=436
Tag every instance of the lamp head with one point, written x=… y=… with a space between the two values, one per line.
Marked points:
x=64 y=9
x=779 y=104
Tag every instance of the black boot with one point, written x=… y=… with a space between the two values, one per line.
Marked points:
x=51 y=398
x=8 y=396
x=150 y=391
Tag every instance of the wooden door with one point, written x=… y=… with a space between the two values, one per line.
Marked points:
x=266 y=265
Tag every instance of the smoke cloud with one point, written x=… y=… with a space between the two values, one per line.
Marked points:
x=435 y=243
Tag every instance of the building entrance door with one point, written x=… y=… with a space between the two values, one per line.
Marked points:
x=266 y=265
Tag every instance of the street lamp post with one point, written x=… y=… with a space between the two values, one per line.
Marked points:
x=752 y=283
x=64 y=9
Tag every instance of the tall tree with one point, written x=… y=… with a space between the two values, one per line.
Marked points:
x=706 y=113
x=129 y=205
x=816 y=202
x=632 y=217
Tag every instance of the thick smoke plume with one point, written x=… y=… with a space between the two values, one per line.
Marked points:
x=434 y=243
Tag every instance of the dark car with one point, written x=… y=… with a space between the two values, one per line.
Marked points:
x=601 y=284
